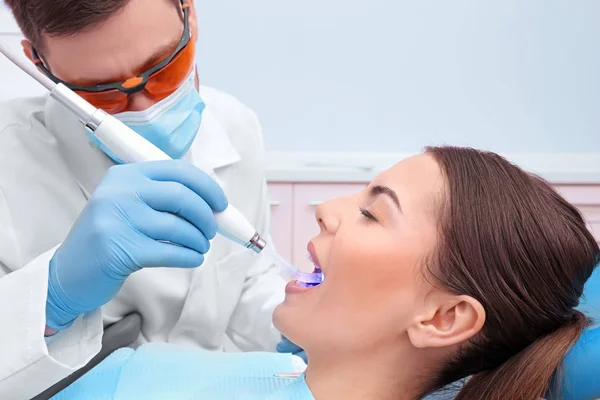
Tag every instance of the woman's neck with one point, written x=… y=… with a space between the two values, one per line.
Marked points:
x=374 y=377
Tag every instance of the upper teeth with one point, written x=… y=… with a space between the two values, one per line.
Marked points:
x=315 y=265
x=309 y=257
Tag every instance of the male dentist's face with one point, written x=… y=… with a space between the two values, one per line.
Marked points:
x=134 y=39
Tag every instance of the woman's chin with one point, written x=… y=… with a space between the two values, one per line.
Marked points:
x=296 y=306
x=280 y=315
x=286 y=315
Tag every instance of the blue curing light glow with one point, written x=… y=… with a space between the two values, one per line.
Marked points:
x=313 y=284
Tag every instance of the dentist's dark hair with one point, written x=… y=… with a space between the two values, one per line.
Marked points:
x=37 y=18
x=510 y=241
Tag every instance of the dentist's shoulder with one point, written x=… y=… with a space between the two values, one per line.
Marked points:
x=240 y=121
x=20 y=112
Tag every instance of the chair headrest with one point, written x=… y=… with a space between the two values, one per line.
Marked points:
x=581 y=380
x=582 y=363
x=590 y=302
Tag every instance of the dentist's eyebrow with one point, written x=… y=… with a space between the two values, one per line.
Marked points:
x=160 y=54
x=379 y=190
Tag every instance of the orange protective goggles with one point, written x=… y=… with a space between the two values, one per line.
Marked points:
x=158 y=82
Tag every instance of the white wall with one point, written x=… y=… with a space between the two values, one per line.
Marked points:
x=394 y=75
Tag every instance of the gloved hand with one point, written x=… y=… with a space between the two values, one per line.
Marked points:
x=285 y=346
x=124 y=227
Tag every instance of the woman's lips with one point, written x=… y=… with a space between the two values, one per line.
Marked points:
x=295 y=287
x=313 y=255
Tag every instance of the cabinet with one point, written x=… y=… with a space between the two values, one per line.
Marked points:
x=587 y=199
x=293 y=206
x=281 y=202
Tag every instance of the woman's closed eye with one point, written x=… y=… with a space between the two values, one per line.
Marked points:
x=368 y=214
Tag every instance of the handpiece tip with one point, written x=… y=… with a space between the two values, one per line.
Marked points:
x=257 y=243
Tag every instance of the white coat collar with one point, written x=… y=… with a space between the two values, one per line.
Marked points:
x=212 y=149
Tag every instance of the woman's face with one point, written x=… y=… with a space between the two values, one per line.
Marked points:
x=372 y=248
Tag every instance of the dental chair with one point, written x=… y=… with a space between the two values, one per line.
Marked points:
x=118 y=335
x=581 y=368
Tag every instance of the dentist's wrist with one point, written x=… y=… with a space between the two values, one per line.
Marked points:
x=59 y=315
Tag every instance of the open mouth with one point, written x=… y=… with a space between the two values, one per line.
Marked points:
x=317 y=267
x=312 y=257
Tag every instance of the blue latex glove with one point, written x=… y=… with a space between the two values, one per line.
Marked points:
x=124 y=227
x=285 y=346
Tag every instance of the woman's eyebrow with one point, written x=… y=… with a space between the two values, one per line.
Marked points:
x=379 y=189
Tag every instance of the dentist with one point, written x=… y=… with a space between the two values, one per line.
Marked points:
x=79 y=231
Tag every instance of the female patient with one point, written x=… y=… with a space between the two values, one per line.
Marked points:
x=451 y=264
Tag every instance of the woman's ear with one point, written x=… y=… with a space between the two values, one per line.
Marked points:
x=27 y=49
x=446 y=320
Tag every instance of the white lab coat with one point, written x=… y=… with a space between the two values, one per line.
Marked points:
x=47 y=171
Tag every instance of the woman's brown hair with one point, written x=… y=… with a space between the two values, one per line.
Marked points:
x=509 y=240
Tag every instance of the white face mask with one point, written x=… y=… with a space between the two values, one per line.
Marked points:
x=171 y=124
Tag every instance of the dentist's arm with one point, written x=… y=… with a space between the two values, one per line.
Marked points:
x=28 y=364
x=31 y=363
x=157 y=214
x=120 y=231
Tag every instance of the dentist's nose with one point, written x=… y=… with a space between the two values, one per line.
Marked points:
x=140 y=101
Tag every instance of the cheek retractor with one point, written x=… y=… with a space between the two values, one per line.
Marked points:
x=308 y=279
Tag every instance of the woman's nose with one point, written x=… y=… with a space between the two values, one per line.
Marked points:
x=328 y=216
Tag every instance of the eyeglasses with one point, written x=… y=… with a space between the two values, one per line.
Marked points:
x=158 y=82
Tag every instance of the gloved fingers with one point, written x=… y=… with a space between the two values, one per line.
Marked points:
x=285 y=346
x=302 y=355
x=171 y=256
x=163 y=226
x=188 y=175
x=174 y=198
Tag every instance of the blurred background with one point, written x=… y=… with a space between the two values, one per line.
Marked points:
x=344 y=89
x=511 y=76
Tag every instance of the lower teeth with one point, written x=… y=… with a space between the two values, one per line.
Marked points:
x=308 y=285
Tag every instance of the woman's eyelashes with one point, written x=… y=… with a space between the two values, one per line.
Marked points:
x=368 y=214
